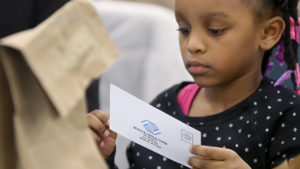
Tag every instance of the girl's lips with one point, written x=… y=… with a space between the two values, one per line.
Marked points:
x=194 y=67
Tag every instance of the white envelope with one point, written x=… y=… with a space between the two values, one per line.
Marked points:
x=150 y=127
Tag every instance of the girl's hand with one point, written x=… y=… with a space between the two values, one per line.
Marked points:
x=215 y=158
x=99 y=127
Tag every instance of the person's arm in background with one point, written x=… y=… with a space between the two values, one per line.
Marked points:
x=298 y=9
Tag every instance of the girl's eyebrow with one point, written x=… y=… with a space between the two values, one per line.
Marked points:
x=215 y=14
x=204 y=14
x=178 y=14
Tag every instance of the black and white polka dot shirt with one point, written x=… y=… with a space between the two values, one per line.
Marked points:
x=264 y=129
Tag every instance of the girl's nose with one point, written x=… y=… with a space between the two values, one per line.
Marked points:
x=195 y=44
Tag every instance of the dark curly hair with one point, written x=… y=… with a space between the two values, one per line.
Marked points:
x=285 y=9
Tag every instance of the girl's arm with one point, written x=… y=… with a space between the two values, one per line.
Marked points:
x=284 y=165
x=215 y=157
x=295 y=163
x=292 y=164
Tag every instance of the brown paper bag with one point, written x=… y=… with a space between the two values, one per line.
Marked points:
x=7 y=144
x=43 y=76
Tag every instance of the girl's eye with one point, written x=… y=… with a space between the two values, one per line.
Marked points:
x=184 y=31
x=216 y=32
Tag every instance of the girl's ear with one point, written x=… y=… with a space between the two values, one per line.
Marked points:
x=272 y=32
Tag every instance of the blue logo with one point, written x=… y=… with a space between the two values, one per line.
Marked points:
x=150 y=127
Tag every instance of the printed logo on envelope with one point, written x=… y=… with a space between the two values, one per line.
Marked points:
x=186 y=136
x=151 y=127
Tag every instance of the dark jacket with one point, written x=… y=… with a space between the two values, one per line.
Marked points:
x=18 y=15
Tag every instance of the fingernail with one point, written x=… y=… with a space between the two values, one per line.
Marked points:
x=102 y=144
x=106 y=133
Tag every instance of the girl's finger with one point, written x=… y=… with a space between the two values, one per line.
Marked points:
x=96 y=137
x=107 y=123
x=213 y=153
x=113 y=134
x=202 y=163
x=96 y=124
x=103 y=117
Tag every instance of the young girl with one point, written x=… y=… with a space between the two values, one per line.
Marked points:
x=247 y=120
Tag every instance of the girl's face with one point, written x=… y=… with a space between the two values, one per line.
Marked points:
x=219 y=40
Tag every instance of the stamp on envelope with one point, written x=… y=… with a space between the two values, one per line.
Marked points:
x=186 y=136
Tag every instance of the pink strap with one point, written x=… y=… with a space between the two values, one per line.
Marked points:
x=186 y=97
x=294 y=30
x=297 y=74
